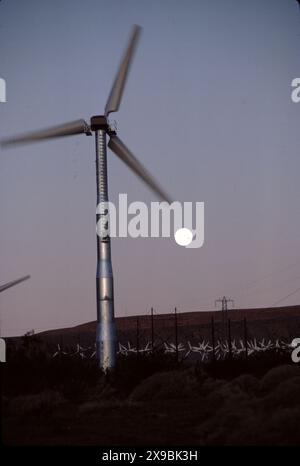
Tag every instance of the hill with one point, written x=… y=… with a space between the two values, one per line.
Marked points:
x=268 y=323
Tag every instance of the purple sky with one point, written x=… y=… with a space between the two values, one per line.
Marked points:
x=207 y=109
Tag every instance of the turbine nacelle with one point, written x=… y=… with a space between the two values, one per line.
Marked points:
x=101 y=122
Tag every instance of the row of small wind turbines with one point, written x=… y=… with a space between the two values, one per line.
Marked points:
x=203 y=349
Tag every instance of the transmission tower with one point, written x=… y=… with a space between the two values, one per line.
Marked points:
x=224 y=301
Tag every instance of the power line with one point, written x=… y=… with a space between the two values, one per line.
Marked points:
x=249 y=286
x=287 y=296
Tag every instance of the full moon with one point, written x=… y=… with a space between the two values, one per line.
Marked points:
x=183 y=236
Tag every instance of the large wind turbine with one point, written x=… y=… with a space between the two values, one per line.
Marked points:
x=106 y=334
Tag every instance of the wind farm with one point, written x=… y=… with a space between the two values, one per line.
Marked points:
x=162 y=305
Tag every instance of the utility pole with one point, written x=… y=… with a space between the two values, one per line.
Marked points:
x=176 y=333
x=229 y=340
x=152 y=330
x=137 y=337
x=213 y=338
x=224 y=301
x=245 y=338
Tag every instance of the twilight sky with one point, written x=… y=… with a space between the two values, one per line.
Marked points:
x=207 y=109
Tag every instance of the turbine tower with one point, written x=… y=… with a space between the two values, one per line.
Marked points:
x=106 y=333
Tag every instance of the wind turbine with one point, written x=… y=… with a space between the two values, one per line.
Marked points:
x=106 y=334
x=13 y=283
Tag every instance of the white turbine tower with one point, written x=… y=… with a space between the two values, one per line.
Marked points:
x=106 y=335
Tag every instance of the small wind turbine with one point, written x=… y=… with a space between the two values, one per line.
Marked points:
x=106 y=334
x=13 y=283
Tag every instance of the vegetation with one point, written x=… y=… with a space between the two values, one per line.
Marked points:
x=149 y=398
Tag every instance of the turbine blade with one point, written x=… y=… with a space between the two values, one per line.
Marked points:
x=66 y=129
x=13 y=283
x=119 y=148
x=115 y=96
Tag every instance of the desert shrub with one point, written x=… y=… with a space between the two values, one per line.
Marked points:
x=241 y=414
x=247 y=383
x=230 y=425
x=256 y=364
x=286 y=394
x=166 y=385
x=91 y=407
x=27 y=376
x=74 y=389
x=131 y=370
x=200 y=374
x=209 y=385
x=4 y=404
x=277 y=375
x=242 y=424
x=226 y=393
x=103 y=390
x=282 y=427
x=43 y=402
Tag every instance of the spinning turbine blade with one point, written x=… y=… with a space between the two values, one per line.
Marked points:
x=115 y=96
x=119 y=148
x=66 y=129
x=13 y=283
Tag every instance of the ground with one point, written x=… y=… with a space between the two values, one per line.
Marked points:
x=220 y=405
